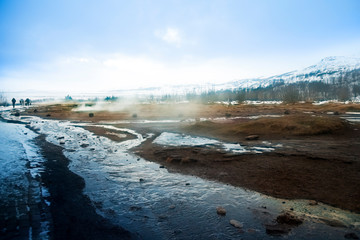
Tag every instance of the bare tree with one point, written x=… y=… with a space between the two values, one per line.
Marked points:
x=291 y=94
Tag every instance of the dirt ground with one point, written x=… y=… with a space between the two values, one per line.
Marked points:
x=319 y=158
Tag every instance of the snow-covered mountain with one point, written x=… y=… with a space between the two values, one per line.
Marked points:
x=343 y=71
x=331 y=70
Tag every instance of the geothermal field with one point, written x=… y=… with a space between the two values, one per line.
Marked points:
x=116 y=170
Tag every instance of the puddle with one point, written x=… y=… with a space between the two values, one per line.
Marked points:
x=352 y=117
x=176 y=139
x=156 y=204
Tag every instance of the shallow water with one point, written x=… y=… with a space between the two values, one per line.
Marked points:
x=352 y=117
x=156 y=204
x=20 y=165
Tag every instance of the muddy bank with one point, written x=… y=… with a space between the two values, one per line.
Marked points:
x=323 y=169
x=72 y=212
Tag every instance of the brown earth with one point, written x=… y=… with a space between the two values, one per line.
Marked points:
x=319 y=158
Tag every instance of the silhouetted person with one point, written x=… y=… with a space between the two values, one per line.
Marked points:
x=22 y=103
x=13 y=102
x=27 y=102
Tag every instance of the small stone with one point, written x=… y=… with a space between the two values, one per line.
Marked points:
x=141 y=180
x=187 y=184
x=286 y=112
x=91 y=114
x=161 y=166
x=48 y=115
x=252 y=137
x=313 y=203
x=221 y=211
x=236 y=223
x=172 y=207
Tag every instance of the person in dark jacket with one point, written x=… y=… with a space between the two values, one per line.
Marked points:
x=27 y=102
x=13 y=102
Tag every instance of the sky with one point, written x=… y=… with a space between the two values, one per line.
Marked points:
x=88 y=45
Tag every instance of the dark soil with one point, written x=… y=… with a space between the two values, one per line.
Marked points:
x=73 y=215
x=325 y=169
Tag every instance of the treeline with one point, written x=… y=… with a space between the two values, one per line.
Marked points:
x=300 y=91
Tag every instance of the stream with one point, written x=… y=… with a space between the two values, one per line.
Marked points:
x=155 y=204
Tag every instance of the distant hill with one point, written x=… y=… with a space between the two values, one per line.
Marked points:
x=330 y=70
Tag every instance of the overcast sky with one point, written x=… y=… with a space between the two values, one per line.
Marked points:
x=88 y=45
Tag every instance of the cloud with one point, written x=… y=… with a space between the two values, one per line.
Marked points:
x=170 y=36
x=118 y=71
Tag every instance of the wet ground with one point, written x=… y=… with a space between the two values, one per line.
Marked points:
x=148 y=200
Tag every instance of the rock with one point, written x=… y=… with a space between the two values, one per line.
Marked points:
x=91 y=114
x=35 y=110
x=289 y=219
x=48 y=115
x=172 y=207
x=277 y=230
x=17 y=114
x=287 y=112
x=351 y=236
x=187 y=184
x=236 y=223
x=84 y=145
x=221 y=211
x=141 y=180
x=161 y=166
x=313 y=203
x=252 y=137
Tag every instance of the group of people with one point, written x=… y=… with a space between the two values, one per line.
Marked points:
x=27 y=102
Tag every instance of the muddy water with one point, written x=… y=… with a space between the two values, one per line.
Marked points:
x=156 y=204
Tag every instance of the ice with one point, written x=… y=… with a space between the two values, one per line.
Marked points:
x=20 y=166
